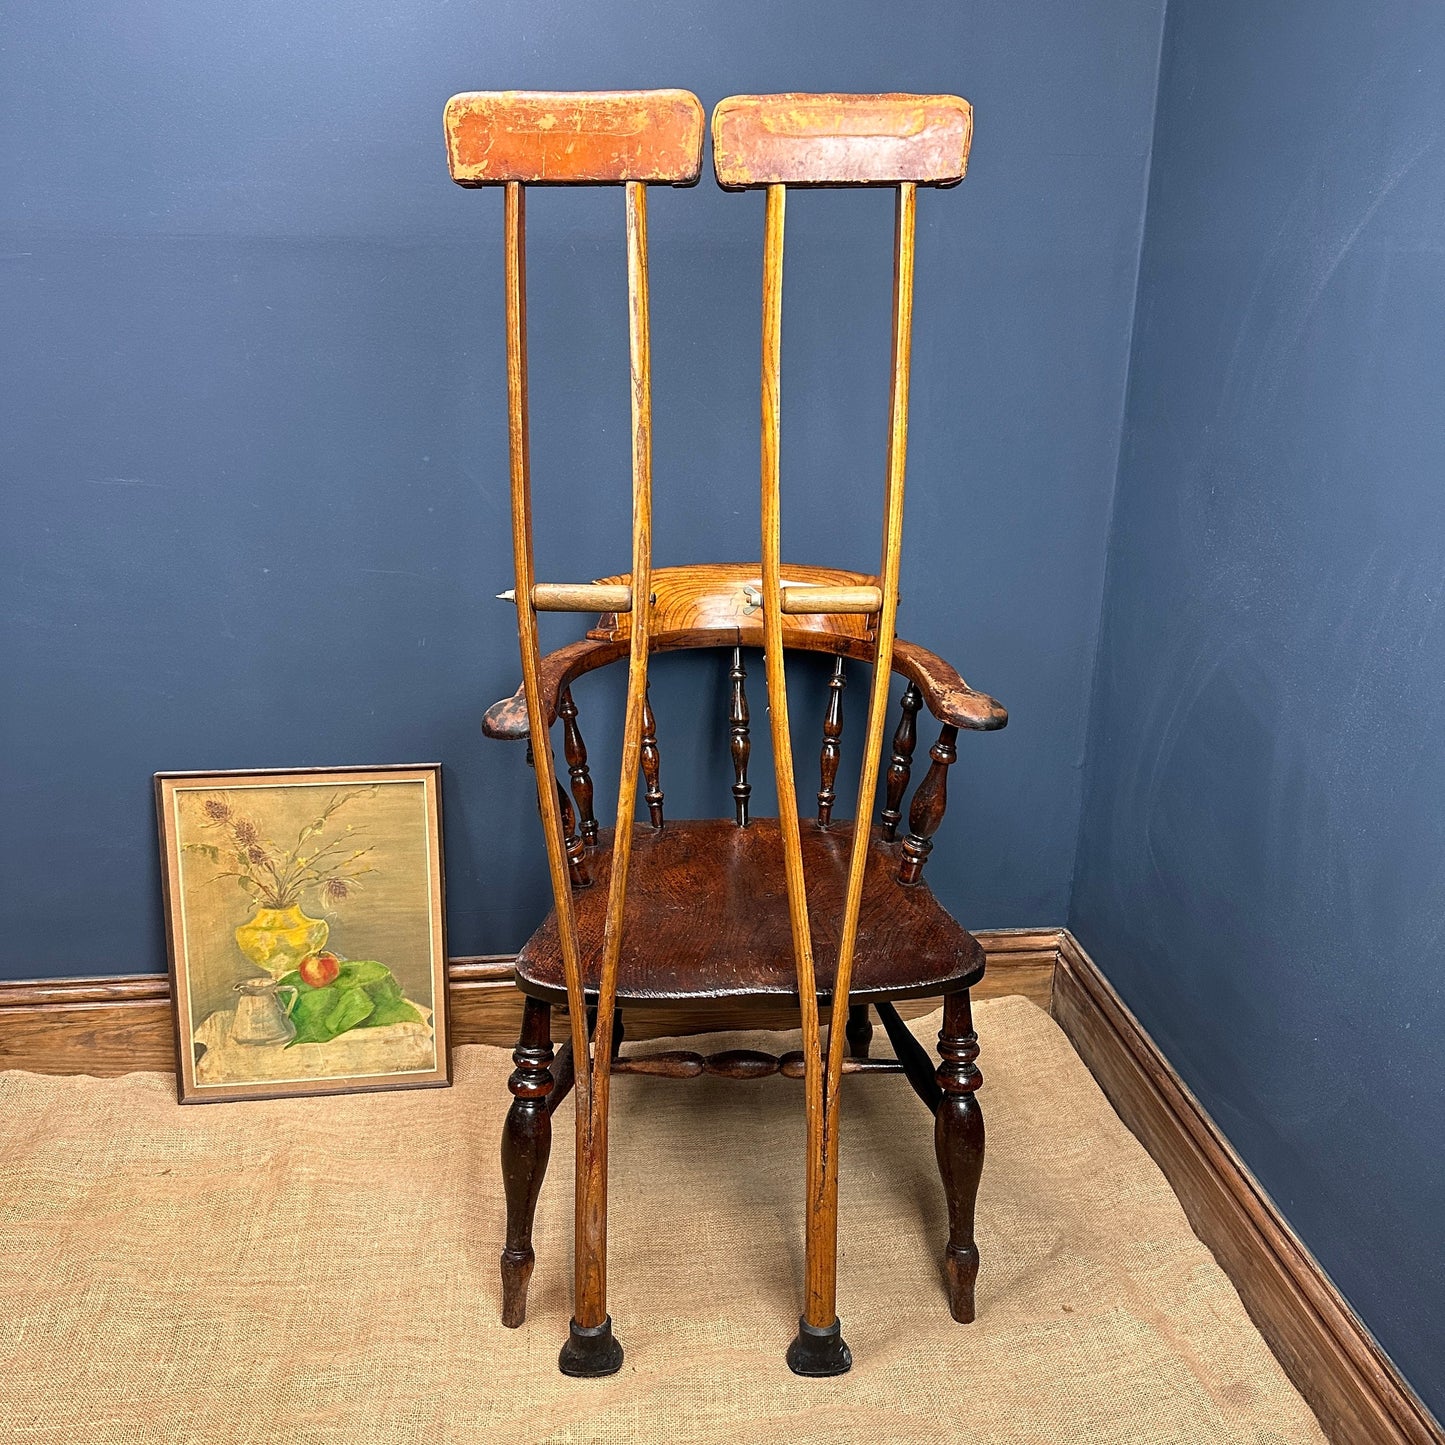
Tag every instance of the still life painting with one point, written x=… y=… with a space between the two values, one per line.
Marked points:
x=305 y=922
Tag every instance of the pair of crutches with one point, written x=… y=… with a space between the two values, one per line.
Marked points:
x=634 y=139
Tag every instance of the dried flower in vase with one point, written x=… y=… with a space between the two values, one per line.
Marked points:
x=277 y=877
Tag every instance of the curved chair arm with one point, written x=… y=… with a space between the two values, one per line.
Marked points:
x=946 y=695
x=507 y=719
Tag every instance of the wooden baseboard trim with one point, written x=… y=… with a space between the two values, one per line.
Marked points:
x=1334 y=1362
x=110 y=1026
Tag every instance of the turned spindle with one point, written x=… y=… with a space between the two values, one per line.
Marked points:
x=564 y=1075
x=958 y=1141
x=685 y=1064
x=741 y=740
x=900 y=765
x=925 y=813
x=651 y=763
x=576 y=848
x=859 y=1030
x=832 y=748
x=576 y=753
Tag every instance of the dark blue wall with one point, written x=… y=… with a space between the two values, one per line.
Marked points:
x=1261 y=866
x=254 y=472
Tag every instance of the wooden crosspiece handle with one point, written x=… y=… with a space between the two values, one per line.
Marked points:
x=804 y=601
x=575 y=597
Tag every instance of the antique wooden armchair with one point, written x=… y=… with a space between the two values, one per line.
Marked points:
x=822 y=914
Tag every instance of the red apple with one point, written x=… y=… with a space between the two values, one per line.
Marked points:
x=319 y=969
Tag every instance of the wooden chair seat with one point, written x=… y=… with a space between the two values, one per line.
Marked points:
x=707 y=918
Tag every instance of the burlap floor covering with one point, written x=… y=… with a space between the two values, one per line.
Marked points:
x=326 y=1270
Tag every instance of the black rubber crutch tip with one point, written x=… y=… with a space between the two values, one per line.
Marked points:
x=590 y=1351
x=818 y=1351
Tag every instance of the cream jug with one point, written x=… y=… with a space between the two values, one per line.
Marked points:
x=261 y=1017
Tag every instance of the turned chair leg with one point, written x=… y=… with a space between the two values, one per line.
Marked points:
x=526 y=1144
x=859 y=1030
x=958 y=1141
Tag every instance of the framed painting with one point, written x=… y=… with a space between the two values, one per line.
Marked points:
x=305 y=924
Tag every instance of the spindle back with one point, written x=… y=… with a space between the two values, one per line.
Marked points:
x=712 y=606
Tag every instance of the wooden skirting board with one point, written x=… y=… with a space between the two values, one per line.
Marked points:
x=1350 y=1384
x=110 y=1026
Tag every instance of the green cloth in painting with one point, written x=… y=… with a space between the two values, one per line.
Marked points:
x=363 y=995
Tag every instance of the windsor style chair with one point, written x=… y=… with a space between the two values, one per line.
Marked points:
x=828 y=913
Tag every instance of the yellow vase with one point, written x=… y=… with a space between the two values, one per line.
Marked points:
x=277 y=939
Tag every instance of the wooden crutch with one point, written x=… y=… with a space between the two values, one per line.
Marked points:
x=629 y=138
x=832 y=140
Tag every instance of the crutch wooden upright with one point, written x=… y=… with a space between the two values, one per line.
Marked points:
x=773 y=142
x=518 y=139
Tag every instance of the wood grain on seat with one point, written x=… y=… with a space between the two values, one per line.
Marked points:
x=707 y=917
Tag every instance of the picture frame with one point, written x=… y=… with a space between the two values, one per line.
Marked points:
x=305 y=930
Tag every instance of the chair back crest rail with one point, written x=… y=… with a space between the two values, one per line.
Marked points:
x=707 y=605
